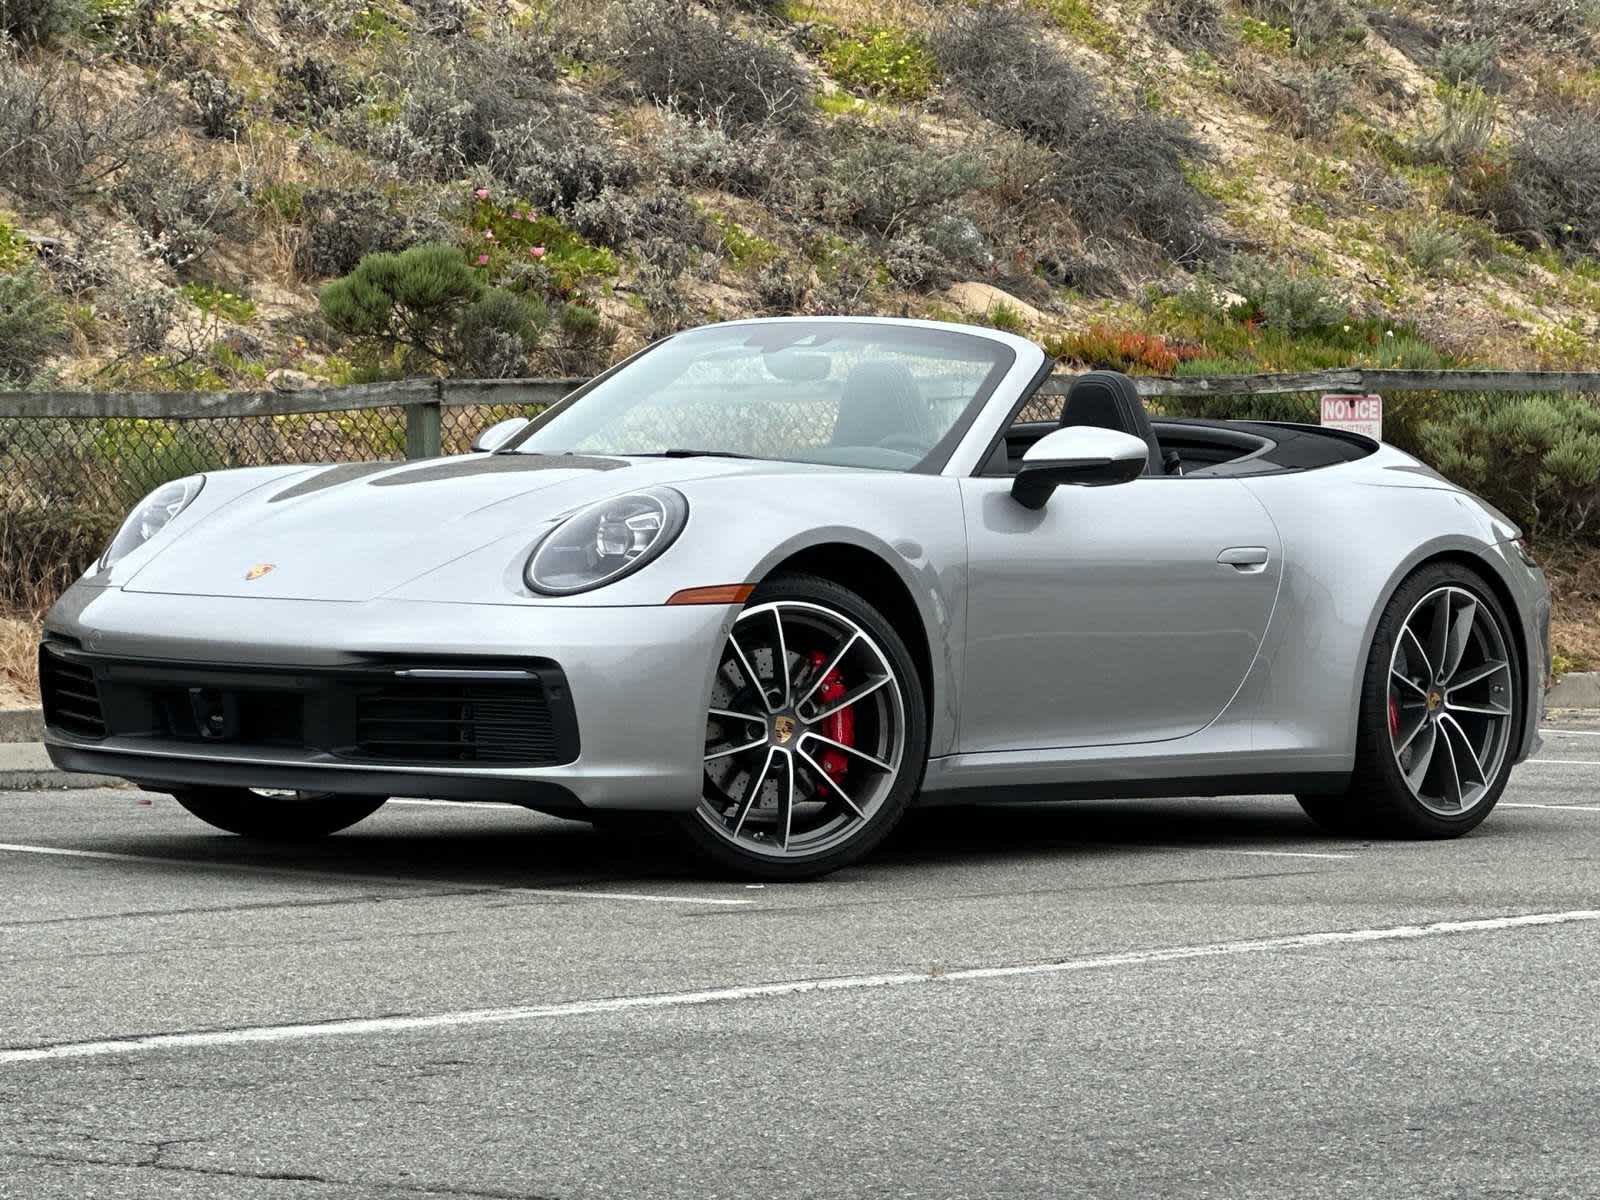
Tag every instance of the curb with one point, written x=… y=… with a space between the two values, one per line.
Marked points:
x=26 y=767
x=21 y=725
x=1579 y=689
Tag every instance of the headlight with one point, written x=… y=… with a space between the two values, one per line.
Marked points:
x=154 y=513
x=602 y=543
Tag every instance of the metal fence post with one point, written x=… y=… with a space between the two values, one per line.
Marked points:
x=423 y=421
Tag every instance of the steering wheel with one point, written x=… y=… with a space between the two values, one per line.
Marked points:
x=908 y=443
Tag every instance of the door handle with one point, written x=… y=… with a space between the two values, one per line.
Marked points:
x=1247 y=560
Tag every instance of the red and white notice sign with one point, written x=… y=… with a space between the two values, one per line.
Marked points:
x=1358 y=414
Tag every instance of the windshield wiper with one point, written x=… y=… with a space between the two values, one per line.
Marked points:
x=686 y=454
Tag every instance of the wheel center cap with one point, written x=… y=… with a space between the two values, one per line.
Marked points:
x=1434 y=701
x=783 y=728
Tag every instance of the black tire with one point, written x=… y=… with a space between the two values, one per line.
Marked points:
x=1378 y=801
x=300 y=817
x=726 y=856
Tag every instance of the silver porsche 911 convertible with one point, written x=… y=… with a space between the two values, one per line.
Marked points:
x=775 y=580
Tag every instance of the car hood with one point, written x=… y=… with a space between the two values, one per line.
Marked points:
x=358 y=531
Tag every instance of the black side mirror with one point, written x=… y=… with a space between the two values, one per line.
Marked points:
x=1081 y=456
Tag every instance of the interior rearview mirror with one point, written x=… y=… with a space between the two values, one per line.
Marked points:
x=499 y=434
x=1080 y=455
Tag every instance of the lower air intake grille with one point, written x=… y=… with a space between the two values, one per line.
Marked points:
x=70 y=695
x=437 y=720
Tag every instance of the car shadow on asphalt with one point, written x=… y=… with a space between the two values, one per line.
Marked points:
x=546 y=852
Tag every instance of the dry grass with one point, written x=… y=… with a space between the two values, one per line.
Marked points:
x=1575 y=624
x=19 y=662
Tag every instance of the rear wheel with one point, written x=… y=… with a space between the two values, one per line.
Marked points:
x=1440 y=706
x=817 y=735
x=278 y=816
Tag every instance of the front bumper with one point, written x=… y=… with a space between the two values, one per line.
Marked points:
x=639 y=681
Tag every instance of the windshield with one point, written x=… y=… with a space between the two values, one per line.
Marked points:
x=858 y=394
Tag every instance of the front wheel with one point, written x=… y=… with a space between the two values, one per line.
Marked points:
x=1440 y=706
x=816 y=738
x=277 y=816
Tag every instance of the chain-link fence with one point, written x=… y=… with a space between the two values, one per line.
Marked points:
x=71 y=466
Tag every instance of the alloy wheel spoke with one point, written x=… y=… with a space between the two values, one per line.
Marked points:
x=1450 y=773
x=1460 y=635
x=1477 y=710
x=782 y=653
x=860 y=693
x=1397 y=677
x=786 y=795
x=1459 y=741
x=829 y=669
x=1477 y=674
x=750 y=673
x=833 y=785
x=1439 y=638
x=729 y=751
x=727 y=714
x=1401 y=746
x=1422 y=757
x=1417 y=649
x=753 y=792
x=869 y=759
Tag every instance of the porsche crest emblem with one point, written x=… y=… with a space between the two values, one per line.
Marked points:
x=257 y=571
x=783 y=729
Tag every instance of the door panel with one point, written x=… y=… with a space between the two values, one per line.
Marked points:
x=1115 y=614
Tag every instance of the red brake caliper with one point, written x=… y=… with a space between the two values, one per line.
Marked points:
x=841 y=727
x=1394 y=717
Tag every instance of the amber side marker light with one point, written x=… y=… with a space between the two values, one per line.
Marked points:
x=726 y=593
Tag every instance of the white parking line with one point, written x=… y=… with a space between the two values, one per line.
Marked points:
x=1572 y=732
x=516 y=808
x=1561 y=762
x=766 y=991
x=371 y=880
x=1277 y=853
x=1564 y=807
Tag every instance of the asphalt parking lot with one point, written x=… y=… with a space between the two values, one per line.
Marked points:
x=1185 y=998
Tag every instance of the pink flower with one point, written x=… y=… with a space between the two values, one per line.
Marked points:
x=537 y=252
x=516 y=216
x=482 y=193
x=483 y=260
x=488 y=235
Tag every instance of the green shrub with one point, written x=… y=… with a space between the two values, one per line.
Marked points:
x=1284 y=297
x=61 y=139
x=1189 y=24
x=219 y=105
x=211 y=299
x=675 y=54
x=1553 y=184
x=1469 y=63
x=182 y=214
x=1433 y=249
x=883 y=62
x=1465 y=128
x=1079 y=20
x=15 y=250
x=45 y=546
x=33 y=326
x=1537 y=458
x=495 y=335
x=429 y=307
x=1115 y=174
x=884 y=182
x=33 y=22
x=340 y=226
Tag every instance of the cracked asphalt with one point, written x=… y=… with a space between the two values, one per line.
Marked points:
x=1189 y=998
